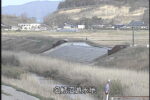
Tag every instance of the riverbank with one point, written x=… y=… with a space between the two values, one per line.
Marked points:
x=78 y=74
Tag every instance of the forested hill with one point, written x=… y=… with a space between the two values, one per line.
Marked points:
x=92 y=12
x=79 y=3
x=14 y=20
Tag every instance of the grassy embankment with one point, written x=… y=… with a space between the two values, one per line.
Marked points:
x=16 y=67
x=132 y=58
x=124 y=82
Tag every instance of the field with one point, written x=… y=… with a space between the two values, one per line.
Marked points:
x=22 y=64
x=102 y=37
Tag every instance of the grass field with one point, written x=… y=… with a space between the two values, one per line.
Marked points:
x=103 y=37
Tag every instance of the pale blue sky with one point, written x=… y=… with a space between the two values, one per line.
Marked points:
x=18 y=2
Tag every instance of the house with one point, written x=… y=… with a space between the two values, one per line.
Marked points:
x=15 y=28
x=136 y=23
x=29 y=27
x=68 y=27
x=119 y=26
x=5 y=27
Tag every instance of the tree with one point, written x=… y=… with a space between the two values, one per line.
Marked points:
x=57 y=20
x=24 y=17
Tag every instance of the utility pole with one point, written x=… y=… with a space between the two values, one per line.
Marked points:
x=132 y=36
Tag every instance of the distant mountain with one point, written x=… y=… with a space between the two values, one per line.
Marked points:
x=37 y=9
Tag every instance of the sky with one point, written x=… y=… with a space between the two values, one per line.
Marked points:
x=19 y=2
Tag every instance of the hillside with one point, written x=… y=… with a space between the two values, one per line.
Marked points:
x=114 y=11
x=37 y=9
x=80 y=3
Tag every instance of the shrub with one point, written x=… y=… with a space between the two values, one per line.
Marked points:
x=12 y=71
x=116 y=88
x=9 y=59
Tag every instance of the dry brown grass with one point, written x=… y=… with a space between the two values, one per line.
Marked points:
x=30 y=83
x=132 y=58
x=125 y=82
x=32 y=44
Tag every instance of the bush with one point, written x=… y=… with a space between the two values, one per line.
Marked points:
x=116 y=88
x=12 y=71
x=10 y=60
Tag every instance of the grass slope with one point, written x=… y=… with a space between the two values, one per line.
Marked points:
x=135 y=58
x=124 y=82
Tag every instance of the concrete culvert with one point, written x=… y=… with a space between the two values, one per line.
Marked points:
x=116 y=48
x=60 y=42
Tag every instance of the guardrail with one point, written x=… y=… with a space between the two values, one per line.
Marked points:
x=129 y=98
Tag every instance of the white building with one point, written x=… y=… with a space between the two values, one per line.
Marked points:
x=32 y=26
x=81 y=26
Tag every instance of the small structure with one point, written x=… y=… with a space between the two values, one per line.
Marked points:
x=116 y=48
x=81 y=27
x=59 y=42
